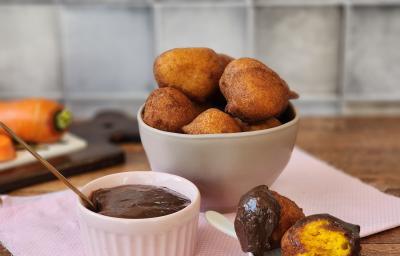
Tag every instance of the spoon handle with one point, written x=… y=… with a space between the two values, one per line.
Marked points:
x=46 y=164
x=221 y=223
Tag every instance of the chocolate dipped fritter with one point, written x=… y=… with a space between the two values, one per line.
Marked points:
x=256 y=218
x=321 y=234
x=194 y=71
x=168 y=109
x=212 y=121
x=255 y=224
x=290 y=214
x=254 y=91
x=262 y=125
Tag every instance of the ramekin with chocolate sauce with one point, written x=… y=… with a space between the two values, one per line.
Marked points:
x=118 y=230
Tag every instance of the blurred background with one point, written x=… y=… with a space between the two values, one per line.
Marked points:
x=343 y=57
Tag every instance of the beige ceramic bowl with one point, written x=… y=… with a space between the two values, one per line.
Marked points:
x=223 y=166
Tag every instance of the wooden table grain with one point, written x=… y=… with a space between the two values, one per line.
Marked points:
x=367 y=148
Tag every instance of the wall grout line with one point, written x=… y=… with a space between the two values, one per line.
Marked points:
x=344 y=79
x=250 y=48
x=60 y=40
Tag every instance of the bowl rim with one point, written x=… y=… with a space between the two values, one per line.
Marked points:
x=292 y=122
x=186 y=210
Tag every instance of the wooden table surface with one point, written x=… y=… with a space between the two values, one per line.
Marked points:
x=367 y=148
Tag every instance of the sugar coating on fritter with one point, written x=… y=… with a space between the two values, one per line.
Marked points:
x=262 y=125
x=195 y=71
x=212 y=121
x=168 y=109
x=321 y=234
x=254 y=91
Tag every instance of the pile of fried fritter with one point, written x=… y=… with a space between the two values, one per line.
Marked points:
x=203 y=92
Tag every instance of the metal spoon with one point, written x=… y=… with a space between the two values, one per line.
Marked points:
x=220 y=222
x=49 y=167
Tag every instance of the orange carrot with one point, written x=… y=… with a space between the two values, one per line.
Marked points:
x=35 y=120
x=7 y=151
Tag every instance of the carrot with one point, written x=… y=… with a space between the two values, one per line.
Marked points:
x=7 y=151
x=35 y=120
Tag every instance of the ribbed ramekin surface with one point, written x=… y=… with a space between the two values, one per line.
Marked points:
x=178 y=241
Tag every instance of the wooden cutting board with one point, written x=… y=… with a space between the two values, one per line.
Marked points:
x=102 y=135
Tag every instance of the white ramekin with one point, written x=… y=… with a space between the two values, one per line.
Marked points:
x=223 y=166
x=170 y=235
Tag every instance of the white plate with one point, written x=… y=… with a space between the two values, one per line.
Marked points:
x=68 y=144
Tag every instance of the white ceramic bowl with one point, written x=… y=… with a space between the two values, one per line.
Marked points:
x=170 y=235
x=223 y=166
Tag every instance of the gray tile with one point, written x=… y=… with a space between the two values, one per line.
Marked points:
x=372 y=108
x=137 y=3
x=222 y=28
x=83 y=109
x=317 y=108
x=374 y=53
x=29 y=51
x=298 y=3
x=374 y=2
x=107 y=50
x=302 y=45
x=197 y=1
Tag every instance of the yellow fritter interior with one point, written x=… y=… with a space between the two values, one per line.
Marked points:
x=318 y=240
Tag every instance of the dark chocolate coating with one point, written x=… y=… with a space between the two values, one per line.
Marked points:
x=257 y=216
x=138 y=201
x=351 y=232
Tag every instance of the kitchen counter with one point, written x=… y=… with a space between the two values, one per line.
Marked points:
x=367 y=148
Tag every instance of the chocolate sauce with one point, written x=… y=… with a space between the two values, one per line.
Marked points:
x=138 y=201
x=257 y=216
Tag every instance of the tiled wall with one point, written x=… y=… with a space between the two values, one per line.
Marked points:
x=343 y=56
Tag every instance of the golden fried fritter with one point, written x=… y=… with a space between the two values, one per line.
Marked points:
x=225 y=59
x=292 y=94
x=194 y=71
x=290 y=214
x=254 y=91
x=212 y=121
x=321 y=234
x=243 y=125
x=261 y=125
x=217 y=99
x=168 y=109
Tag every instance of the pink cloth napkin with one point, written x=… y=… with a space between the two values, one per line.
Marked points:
x=46 y=225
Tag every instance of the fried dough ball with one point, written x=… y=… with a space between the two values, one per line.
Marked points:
x=263 y=216
x=293 y=95
x=254 y=91
x=217 y=99
x=194 y=71
x=243 y=126
x=225 y=59
x=321 y=234
x=168 y=109
x=290 y=214
x=212 y=121
x=262 y=125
